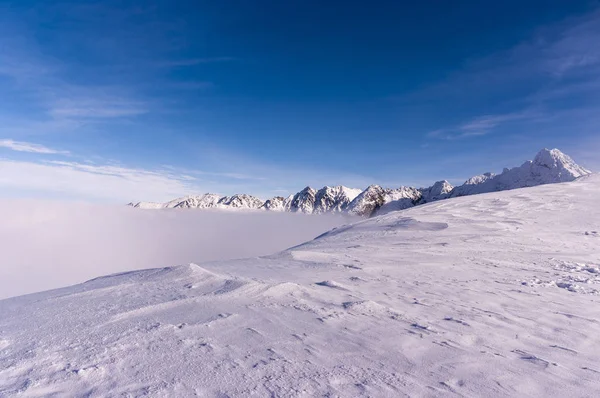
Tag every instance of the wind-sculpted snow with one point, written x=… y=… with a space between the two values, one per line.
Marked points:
x=494 y=295
x=548 y=167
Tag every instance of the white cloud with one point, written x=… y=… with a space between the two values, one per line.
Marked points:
x=92 y=182
x=29 y=147
x=94 y=108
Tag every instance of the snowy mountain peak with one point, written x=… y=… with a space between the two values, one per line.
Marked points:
x=480 y=179
x=241 y=201
x=207 y=200
x=304 y=201
x=548 y=167
x=334 y=199
x=556 y=160
x=368 y=201
x=437 y=191
x=275 y=204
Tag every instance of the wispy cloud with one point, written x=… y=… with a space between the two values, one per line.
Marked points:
x=575 y=46
x=51 y=88
x=20 y=146
x=110 y=181
x=558 y=64
x=482 y=125
x=450 y=135
x=96 y=108
x=96 y=182
x=195 y=61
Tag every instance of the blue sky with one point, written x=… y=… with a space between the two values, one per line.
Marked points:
x=127 y=100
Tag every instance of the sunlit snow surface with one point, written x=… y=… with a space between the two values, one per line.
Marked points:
x=489 y=295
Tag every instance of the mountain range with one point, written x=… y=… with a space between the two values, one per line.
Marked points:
x=548 y=166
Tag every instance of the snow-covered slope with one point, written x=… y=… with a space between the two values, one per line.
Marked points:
x=548 y=167
x=489 y=295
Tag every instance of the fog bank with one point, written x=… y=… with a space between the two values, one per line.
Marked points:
x=46 y=245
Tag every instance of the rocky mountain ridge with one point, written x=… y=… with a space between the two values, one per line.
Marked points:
x=548 y=166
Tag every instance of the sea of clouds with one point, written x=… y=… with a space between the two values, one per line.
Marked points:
x=46 y=245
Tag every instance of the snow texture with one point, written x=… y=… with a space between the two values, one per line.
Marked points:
x=488 y=295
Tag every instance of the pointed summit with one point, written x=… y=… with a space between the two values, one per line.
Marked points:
x=368 y=202
x=565 y=169
x=334 y=199
x=437 y=191
x=304 y=201
x=548 y=167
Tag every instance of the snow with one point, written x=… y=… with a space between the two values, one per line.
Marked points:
x=488 y=295
x=242 y=201
x=206 y=201
x=278 y=203
x=438 y=191
x=148 y=205
x=308 y=201
x=399 y=199
x=334 y=199
x=303 y=201
x=368 y=201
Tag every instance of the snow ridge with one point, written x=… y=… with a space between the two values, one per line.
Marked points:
x=548 y=167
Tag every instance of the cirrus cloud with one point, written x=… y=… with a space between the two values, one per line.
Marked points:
x=21 y=146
